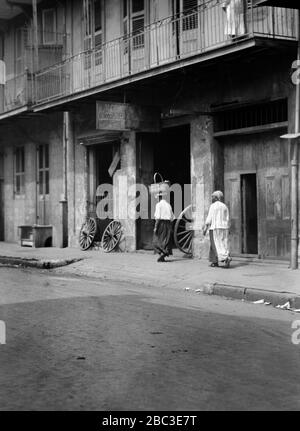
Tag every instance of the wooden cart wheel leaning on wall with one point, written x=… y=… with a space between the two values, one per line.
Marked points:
x=90 y=230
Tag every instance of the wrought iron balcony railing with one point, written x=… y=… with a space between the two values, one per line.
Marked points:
x=17 y=92
x=195 y=32
x=53 y=48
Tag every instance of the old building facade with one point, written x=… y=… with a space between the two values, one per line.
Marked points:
x=210 y=88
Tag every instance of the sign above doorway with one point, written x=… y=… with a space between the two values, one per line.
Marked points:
x=126 y=117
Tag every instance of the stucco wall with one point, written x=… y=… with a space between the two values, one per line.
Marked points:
x=22 y=209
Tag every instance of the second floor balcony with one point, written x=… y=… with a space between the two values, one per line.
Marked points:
x=197 y=32
x=18 y=90
x=17 y=93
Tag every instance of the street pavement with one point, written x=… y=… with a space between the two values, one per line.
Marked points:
x=179 y=272
x=77 y=343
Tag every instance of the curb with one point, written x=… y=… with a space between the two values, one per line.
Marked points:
x=250 y=294
x=35 y=263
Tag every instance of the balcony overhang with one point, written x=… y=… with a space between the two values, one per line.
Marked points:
x=211 y=57
x=13 y=113
x=9 y=9
x=290 y=4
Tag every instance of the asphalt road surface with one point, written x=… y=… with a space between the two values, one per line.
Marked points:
x=81 y=344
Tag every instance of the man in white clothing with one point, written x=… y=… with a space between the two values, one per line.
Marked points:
x=218 y=224
x=162 y=238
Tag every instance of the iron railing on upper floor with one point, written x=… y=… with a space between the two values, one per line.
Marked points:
x=17 y=92
x=197 y=31
x=53 y=48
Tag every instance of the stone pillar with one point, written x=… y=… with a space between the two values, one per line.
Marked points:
x=125 y=190
x=207 y=174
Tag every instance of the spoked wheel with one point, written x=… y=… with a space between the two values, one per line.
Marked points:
x=87 y=233
x=183 y=231
x=111 y=236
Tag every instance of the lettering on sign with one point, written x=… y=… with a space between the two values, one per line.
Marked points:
x=126 y=117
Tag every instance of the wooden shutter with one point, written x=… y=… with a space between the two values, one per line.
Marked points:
x=138 y=23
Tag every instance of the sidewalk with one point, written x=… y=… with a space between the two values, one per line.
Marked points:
x=273 y=282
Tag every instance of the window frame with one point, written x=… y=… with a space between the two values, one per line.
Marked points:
x=19 y=57
x=54 y=40
x=90 y=33
x=190 y=16
x=128 y=18
x=19 y=170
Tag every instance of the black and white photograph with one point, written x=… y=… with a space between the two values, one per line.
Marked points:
x=149 y=209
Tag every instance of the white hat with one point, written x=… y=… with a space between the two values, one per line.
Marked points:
x=218 y=194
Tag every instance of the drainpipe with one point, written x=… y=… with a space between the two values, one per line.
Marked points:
x=294 y=140
x=64 y=196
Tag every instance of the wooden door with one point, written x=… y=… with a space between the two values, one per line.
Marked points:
x=134 y=13
x=274 y=208
x=189 y=27
x=267 y=157
x=233 y=201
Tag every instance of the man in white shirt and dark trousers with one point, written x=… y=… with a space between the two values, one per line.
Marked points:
x=162 y=237
x=218 y=224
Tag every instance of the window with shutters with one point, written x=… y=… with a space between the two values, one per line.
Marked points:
x=19 y=52
x=98 y=30
x=134 y=23
x=138 y=23
x=190 y=14
x=126 y=29
x=43 y=169
x=93 y=29
x=49 y=26
x=19 y=165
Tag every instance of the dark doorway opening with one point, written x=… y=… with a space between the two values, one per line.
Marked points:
x=168 y=153
x=103 y=158
x=249 y=214
x=172 y=154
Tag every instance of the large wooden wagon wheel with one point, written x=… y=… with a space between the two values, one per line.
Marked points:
x=87 y=233
x=183 y=231
x=111 y=236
